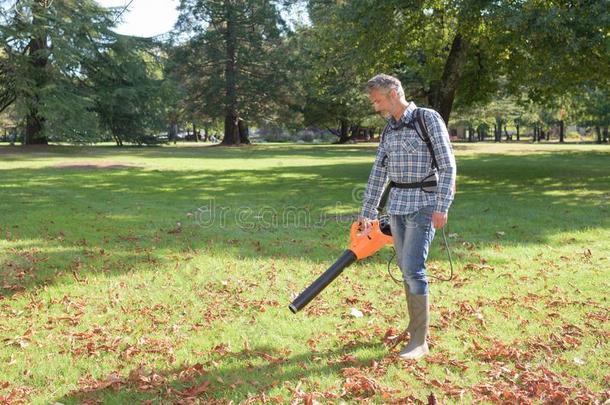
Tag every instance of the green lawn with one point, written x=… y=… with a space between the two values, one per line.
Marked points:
x=164 y=275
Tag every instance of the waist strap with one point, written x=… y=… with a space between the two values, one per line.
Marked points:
x=428 y=184
x=419 y=184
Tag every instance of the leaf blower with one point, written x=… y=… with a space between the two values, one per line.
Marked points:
x=361 y=246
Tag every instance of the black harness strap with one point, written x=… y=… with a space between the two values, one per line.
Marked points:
x=422 y=130
x=419 y=125
x=419 y=184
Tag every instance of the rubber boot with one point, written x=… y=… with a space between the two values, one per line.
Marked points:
x=420 y=321
x=403 y=335
x=410 y=310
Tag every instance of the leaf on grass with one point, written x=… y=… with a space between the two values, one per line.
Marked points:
x=359 y=385
x=478 y=267
x=22 y=341
x=195 y=390
x=189 y=373
x=20 y=395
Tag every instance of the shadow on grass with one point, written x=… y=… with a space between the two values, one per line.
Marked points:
x=195 y=152
x=234 y=376
x=77 y=222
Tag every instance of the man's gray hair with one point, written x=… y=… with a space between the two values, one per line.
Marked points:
x=385 y=82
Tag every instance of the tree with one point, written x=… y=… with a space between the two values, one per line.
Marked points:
x=330 y=84
x=555 y=47
x=127 y=80
x=43 y=44
x=591 y=107
x=430 y=49
x=232 y=58
x=446 y=52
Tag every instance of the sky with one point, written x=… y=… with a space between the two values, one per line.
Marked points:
x=145 y=18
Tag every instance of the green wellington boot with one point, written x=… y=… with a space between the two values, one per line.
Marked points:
x=419 y=314
x=397 y=339
x=410 y=310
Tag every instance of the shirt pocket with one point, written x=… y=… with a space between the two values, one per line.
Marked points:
x=410 y=145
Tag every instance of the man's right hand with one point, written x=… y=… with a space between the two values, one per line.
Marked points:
x=366 y=225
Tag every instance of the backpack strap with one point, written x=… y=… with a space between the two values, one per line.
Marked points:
x=385 y=129
x=422 y=131
x=381 y=138
x=388 y=187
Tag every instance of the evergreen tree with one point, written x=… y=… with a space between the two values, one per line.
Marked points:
x=232 y=57
x=43 y=45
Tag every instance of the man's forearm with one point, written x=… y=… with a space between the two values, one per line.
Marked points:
x=374 y=186
x=445 y=189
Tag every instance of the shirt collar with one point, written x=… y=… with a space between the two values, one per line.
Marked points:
x=405 y=119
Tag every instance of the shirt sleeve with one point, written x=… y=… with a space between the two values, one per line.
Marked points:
x=374 y=187
x=443 y=151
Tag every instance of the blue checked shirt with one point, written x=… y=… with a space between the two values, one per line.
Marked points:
x=403 y=157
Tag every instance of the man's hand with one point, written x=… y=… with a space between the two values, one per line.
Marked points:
x=366 y=225
x=439 y=219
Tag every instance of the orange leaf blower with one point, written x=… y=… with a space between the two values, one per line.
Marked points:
x=361 y=246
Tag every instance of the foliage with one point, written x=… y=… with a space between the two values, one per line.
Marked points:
x=44 y=44
x=128 y=97
x=231 y=61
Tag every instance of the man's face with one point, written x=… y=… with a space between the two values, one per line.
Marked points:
x=382 y=101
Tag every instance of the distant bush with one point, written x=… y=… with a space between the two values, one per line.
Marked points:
x=307 y=135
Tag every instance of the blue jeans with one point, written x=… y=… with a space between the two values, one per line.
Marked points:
x=413 y=234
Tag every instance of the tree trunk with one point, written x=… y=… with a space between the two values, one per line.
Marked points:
x=481 y=132
x=606 y=134
x=195 y=133
x=206 y=135
x=172 y=133
x=231 y=136
x=244 y=133
x=344 y=131
x=38 y=59
x=34 y=126
x=355 y=130
x=535 y=135
x=470 y=134
x=517 y=132
x=599 y=134
x=117 y=139
x=442 y=92
x=561 y=131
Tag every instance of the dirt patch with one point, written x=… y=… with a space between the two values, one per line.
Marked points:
x=94 y=165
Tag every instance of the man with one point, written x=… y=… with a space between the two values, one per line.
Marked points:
x=415 y=210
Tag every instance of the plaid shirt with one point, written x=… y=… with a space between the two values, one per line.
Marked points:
x=403 y=157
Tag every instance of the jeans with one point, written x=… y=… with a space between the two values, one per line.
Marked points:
x=413 y=234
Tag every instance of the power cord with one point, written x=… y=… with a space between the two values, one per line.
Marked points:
x=433 y=276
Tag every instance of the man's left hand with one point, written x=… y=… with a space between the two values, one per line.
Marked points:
x=439 y=219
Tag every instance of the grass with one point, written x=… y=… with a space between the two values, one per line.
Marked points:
x=164 y=275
